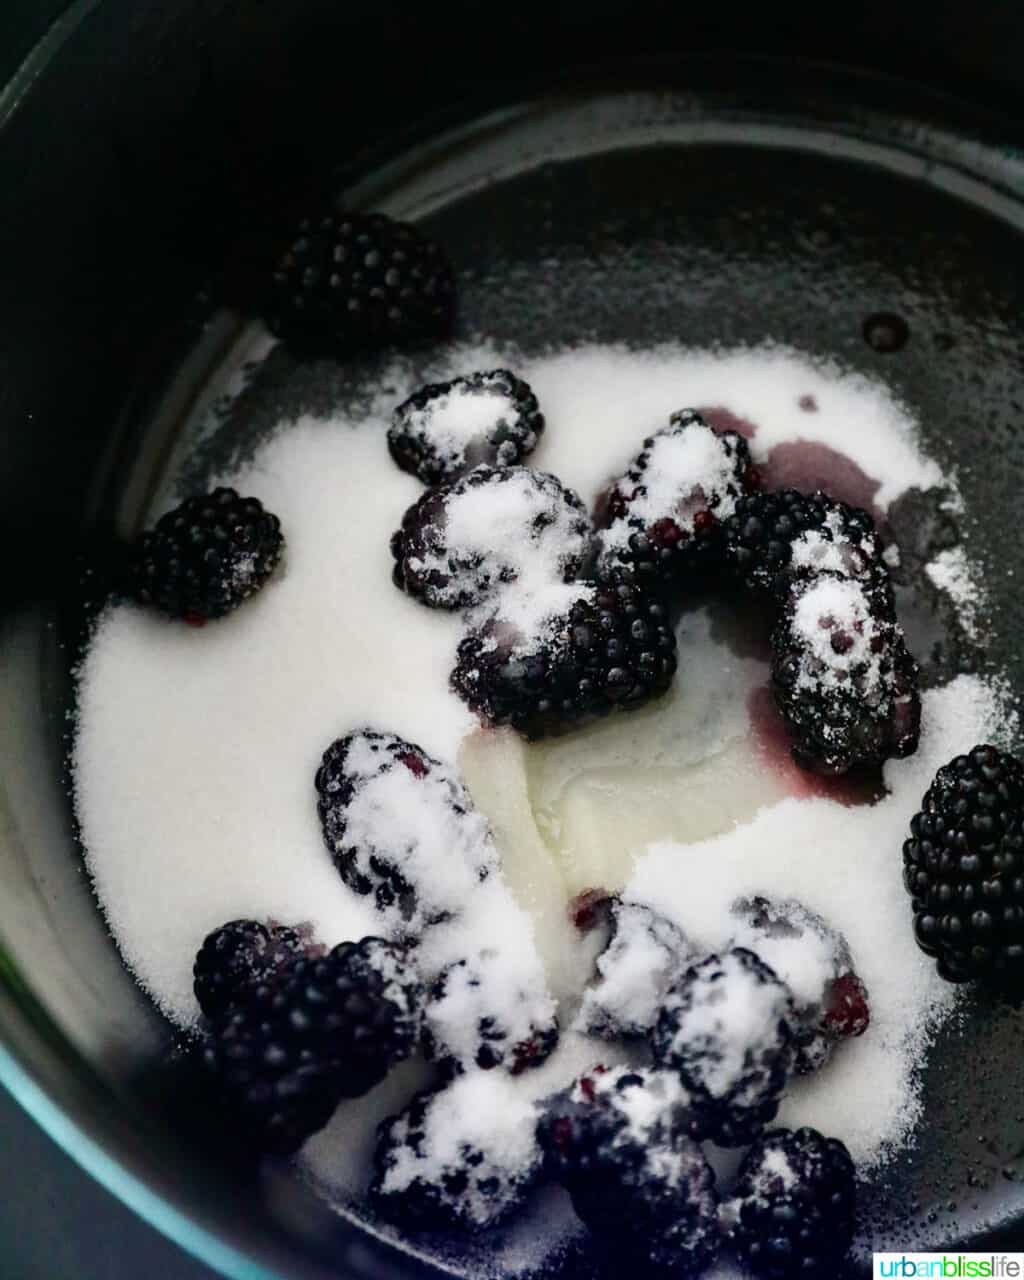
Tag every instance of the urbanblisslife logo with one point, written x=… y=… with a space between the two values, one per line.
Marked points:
x=947 y=1266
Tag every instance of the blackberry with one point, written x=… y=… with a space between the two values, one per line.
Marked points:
x=645 y=956
x=964 y=869
x=463 y=540
x=771 y=536
x=401 y=826
x=728 y=1029
x=463 y=1157
x=842 y=677
x=601 y=647
x=328 y=1029
x=207 y=555
x=664 y=518
x=814 y=961
x=794 y=1207
x=490 y=1010
x=243 y=955
x=352 y=281
x=447 y=428
x=619 y=1142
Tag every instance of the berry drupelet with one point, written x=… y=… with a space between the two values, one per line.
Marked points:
x=447 y=428
x=460 y=1158
x=842 y=677
x=793 y=1210
x=326 y=1029
x=601 y=647
x=402 y=827
x=771 y=536
x=462 y=541
x=491 y=1009
x=352 y=281
x=663 y=519
x=728 y=1029
x=619 y=1142
x=207 y=555
x=242 y=956
x=964 y=869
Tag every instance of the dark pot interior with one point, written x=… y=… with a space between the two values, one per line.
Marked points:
x=150 y=153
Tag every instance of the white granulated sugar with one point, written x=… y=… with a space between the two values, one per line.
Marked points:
x=831 y=550
x=844 y=864
x=684 y=468
x=805 y=958
x=196 y=747
x=481 y=1112
x=441 y=851
x=492 y=971
x=635 y=971
x=619 y=397
x=460 y=417
x=530 y=610
x=196 y=750
x=831 y=607
x=952 y=572
x=728 y=1010
x=524 y=526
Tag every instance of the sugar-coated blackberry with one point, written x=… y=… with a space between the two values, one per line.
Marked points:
x=606 y=646
x=402 y=827
x=813 y=959
x=492 y=1009
x=793 y=1211
x=461 y=541
x=351 y=281
x=330 y=1028
x=463 y=1157
x=772 y=535
x=963 y=866
x=728 y=1029
x=663 y=520
x=842 y=677
x=645 y=956
x=241 y=956
x=619 y=1142
x=207 y=555
x=446 y=428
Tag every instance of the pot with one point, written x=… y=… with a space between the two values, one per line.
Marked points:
x=150 y=154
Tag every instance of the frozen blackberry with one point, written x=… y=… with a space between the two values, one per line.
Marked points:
x=461 y=541
x=793 y=1211
x=447 y=428
x=728 y=1029
x=461 y=1158
x=619 y=1142
x=770 y=536
x=842 y=677
x=207 y=555
x=664 y=518
x=547 y=662
x=351 y=281
x=814 y=962
x=646 y=955
x=401 y=826
x=329 y=1028
x=491 y=1010
x=964 y=869
x=241 y=956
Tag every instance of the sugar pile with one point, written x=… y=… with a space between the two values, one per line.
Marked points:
x=196 y=749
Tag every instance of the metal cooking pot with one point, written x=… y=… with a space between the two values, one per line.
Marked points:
x=142 y=147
